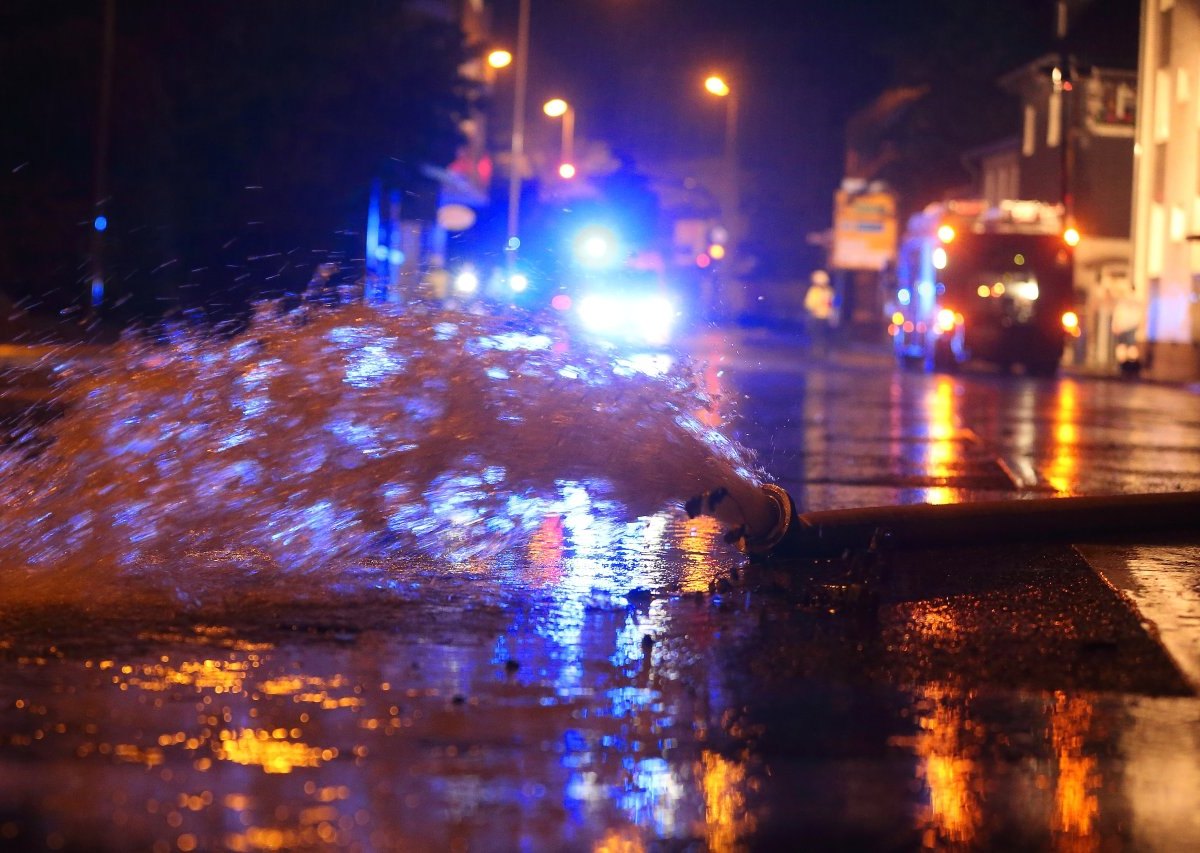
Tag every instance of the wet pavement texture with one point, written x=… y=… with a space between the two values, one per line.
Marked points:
x=670 y=696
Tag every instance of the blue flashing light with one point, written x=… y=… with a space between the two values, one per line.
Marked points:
x=100 y=223
x=396 y=257
x=904 y=296
x=97 y=292
x=514 y=243
x=381 y=253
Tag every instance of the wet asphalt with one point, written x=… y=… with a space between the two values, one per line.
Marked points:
x=1021 y=696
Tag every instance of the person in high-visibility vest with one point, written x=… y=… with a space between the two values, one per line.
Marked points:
x=818 y=305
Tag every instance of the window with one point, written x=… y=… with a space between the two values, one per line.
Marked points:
x=1162 y=105
x=1054 y=120
x=1028 y=136
x=1158 y=239
x=1178 y=224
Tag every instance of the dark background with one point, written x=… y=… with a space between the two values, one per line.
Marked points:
x=244 y=136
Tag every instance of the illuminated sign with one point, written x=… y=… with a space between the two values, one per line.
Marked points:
x=864 y=231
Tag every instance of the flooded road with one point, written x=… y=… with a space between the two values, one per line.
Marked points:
x=601 y=685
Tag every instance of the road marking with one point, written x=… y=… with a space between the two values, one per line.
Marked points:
x=1021 y=474
x=1162 y=582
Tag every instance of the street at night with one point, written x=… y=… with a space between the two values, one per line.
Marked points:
x=603 y=425
x=625 y=690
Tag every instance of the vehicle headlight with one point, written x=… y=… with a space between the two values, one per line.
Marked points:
x=648 y=320
x=600 y=313
x=467 y=281
x=1027 y=290
x=655 y=318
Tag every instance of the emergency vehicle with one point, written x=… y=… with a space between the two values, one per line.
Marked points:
x=979 y=282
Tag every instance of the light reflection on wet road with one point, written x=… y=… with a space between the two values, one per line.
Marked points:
x=579 y=699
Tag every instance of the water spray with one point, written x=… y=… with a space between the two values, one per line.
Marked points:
x=770 y=526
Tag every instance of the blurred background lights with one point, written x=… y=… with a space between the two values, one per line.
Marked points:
x=596 y=246
x=100 y=223
x=499 y=58
x=466 y=282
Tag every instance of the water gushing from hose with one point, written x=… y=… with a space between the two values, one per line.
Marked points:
x=353 y=434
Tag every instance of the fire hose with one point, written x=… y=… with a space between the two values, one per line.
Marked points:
x=830 y=533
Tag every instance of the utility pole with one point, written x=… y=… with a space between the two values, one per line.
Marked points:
x=517 y=152
x=95 y=293
x=1063 y=83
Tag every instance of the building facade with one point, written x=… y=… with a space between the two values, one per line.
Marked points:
x=1075 y=149
x=1166 y=223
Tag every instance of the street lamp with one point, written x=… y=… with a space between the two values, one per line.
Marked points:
x=499 y=58
x=718 y=86
x=558 y=108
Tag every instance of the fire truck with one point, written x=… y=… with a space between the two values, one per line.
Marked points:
x=979 y=282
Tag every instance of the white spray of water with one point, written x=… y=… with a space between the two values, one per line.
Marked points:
x=359 y=433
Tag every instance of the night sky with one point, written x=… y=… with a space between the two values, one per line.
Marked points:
x=634 y=68
x=252 y=131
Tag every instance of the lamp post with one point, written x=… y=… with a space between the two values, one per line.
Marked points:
x=718 y=86
x=96 y=275
x=560 y=109
x=517 y=151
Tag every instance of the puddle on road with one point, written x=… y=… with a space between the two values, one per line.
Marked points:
x=600 y=727
x=594 y=683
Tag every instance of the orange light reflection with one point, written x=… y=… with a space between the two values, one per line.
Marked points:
x=699 y=543
x=546 y=552
x=1062 y=472
x=950 y=770
x=727 y=822
x=274 y=754
x=944 y=452
x=1076 y=806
